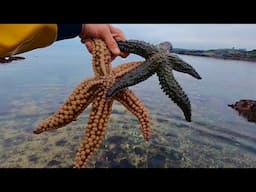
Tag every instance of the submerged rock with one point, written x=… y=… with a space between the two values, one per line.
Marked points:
x=139 y=151
x=124 y=163
x=53 y=163
x=61 y=142
x=118 y=112
x=8 y=142
x=246 y=108
x=157 y=161
x=111 y=155
x=116 y=139
x=175 y=155
x=162 y=120
x=33 y=158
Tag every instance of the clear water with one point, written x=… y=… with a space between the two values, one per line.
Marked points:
x=33 y=88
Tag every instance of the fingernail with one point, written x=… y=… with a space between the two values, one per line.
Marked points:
x=116 y=51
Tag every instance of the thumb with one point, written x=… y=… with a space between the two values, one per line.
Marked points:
x=111 y=43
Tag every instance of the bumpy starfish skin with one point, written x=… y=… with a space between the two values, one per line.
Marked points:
x=135 y=106
x=75 y=104
x=173 y=90
x=139 y=74
x=93 y=90
x=140 y=48
x=95 y=130
x=161 y=61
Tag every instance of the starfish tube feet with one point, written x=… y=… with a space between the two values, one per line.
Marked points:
x=136 y=107
x=79 y=99
x=174 y=91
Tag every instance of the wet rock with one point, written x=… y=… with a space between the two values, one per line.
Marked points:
x=53 y=163
x=246 y=108
x=157 y=161
x=60 y=142
x=139 y=151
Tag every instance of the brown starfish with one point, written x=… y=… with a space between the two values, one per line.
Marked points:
x=93 y=90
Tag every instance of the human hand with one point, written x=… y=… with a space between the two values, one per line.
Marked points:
x=106 y=32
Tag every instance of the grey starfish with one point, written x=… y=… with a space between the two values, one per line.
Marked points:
x=161 y=61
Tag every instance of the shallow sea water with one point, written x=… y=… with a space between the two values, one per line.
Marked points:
x=217 y=137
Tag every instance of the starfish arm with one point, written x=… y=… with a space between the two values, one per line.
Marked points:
x=95 y=131
x=165 y=46
x=137 y=75
x=174 y=91
x=137 y=47
x=136 y=107
x=179 y=65
x=101 y=61
x=79 y=99
x=122 y=69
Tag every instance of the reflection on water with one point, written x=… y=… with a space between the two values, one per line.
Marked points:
x=33 y=88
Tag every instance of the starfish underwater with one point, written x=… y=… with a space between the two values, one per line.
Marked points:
x=93 y=90
x=159 y=60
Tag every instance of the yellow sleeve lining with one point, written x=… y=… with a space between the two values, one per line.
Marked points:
x=19 y=38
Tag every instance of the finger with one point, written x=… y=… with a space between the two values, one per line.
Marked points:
x=111 y=43
x=124 y=55
x=119 y=35
x=89 y=45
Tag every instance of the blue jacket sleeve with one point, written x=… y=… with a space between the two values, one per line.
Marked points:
x=68 y=31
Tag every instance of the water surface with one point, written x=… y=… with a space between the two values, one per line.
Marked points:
x=34 y=88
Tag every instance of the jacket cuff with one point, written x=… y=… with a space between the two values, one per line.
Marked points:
x=68 y=31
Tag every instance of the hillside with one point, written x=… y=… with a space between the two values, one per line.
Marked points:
x=236 y=54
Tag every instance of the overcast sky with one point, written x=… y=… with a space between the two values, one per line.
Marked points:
x=195 y=36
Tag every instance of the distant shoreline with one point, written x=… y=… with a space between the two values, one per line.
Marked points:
x=226 y=54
